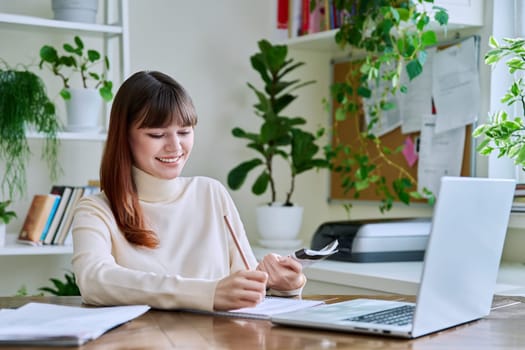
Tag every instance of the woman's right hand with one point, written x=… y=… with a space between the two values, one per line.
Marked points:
x=240 y=289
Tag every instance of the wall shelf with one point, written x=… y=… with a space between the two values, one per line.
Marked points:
x=30 y=21
x=72 y=136
x=12 y=248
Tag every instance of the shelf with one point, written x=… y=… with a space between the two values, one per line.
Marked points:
x=517 y=220
x=30 y=21
x=73 y=136
x=16 y=249
x=322 y=41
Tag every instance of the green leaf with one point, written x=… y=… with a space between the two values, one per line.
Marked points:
x=429 y=38
x=414 y=68
x=441 y=16
x=237 y=175
x=261 y=183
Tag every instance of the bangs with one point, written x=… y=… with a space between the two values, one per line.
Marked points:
x=167 y=108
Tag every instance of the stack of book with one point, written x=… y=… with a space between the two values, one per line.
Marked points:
x=518 y=205
x=298 y=18
x=48 y=220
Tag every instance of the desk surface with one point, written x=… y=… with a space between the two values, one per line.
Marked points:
x=502 y=329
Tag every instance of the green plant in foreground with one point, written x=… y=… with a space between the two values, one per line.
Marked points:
x=67 y=287
x=503 y=133
x=76 y=60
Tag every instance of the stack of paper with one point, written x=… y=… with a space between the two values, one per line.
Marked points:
x=58 y=325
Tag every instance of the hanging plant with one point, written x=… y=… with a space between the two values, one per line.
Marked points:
x=392 y=36
x=24 y=105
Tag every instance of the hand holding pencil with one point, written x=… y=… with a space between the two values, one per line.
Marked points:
x=243 y=288
x=284 y=273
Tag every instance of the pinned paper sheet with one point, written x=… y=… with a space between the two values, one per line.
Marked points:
x=409 y=151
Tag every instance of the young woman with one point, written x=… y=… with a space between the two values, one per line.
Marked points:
x=154 y=237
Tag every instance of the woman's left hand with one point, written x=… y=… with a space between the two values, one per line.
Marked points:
x=284 y=273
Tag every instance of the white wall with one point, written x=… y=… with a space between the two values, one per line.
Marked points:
x=205 y=45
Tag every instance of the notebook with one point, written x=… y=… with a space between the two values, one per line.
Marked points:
x=265 y=309
x=459 y=273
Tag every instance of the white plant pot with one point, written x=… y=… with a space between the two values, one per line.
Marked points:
x=83 y=110
x=277 y=222
x=2 y=234
x=84 y=11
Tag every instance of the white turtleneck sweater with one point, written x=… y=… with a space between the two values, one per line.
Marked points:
x=196 y=249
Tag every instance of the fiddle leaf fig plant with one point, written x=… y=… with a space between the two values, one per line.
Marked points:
x=392 y=37
x=76 y=59
x=279 y=135
x=504 y=133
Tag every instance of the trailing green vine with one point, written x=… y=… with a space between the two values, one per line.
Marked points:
x=24 y=105
x=392 y=36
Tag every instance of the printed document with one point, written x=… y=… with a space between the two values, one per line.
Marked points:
x=456 y=86
x=439 y=154
x=59 y=325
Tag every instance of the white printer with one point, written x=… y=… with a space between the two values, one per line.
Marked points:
x=376 y=240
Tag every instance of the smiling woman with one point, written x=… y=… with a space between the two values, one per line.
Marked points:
x=154 y=237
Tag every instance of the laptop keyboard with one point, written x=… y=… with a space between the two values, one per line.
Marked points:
x=400 y=316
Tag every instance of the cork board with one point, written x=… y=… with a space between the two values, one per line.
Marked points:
x=347 y=131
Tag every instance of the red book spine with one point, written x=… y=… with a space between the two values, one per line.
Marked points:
x=282 y=14
x=305 y=16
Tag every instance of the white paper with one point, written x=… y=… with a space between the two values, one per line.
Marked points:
x=388 y=120
x=265 y=309
x=439 y=154
x=456 y=86
x=48 y=324
x=417 y=101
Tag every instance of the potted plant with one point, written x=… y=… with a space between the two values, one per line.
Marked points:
x=391 y=36
x=5 y=217
x=82 y=104
x=279 y=135
x=24 y=104
x=504 y=133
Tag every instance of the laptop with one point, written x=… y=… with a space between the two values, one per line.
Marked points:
x=459 y=273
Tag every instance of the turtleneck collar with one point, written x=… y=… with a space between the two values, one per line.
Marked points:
x=153 y=189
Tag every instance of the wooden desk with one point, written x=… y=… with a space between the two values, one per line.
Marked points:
x=502 y=329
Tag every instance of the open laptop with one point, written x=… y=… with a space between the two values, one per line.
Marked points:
x=459 y=273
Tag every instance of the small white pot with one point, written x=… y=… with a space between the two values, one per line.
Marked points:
x=84 y=11
x=84 y=110
x=278 y=222
x=2 y=234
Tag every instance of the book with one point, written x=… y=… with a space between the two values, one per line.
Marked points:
x=265 y=309
x=36 y=219
x=50 y=217
x=281 y=26
x=65 y=224
x=60 y=325
x=65 y=193
x=294 y=18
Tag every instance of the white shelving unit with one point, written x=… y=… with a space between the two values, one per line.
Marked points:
x=114 y=31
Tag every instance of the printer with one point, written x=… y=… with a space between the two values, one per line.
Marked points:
x=375 y=240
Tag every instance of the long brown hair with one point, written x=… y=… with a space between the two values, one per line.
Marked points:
x=148 y=99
